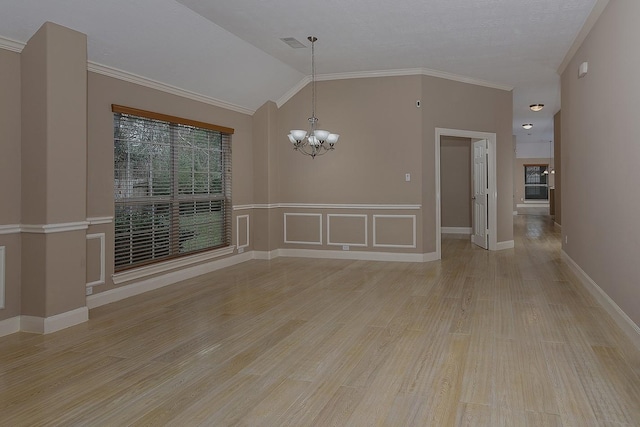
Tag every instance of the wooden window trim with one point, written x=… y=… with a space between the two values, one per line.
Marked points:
x=167 y=118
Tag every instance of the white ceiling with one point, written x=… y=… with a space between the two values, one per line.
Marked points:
x=231 y=50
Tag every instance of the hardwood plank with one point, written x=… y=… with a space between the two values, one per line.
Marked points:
x=274 y=404
x=572 y=401
x=541 y=419
x=539 y=393
x=479 y=338
x=444 y=396
x=375 y=404
x=509 y=383
x=479 y=374
x=339 y=409
x=473 y=415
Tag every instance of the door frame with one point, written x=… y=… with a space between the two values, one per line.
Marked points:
x=493 y=193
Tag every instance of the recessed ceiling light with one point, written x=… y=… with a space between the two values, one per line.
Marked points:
x=536 y=107
x=527 y=126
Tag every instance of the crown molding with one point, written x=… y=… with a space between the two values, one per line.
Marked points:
x=154 y=84
x=390 y=73
x=465 y=79
x=16 y=46
x=12 y=45
x=588 y=25
x=413 y=72
x=116 y=73
x=291 y=92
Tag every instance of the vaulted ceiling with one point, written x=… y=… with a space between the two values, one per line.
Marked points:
x=231 y=52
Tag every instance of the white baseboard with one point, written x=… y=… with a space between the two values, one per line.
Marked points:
x=456 y=230
x=555 y=224
x=620 y=317
x=9 y=326
x=430 y=256
x=509 y=244
x=266 y=255
x=117 y=294
x=358 y=255
x=47 y=325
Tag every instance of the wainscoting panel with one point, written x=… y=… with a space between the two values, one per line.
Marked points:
x=347 y=229
x=394 y=231
x=303 y=228
x=242 y=231
x=95 y=259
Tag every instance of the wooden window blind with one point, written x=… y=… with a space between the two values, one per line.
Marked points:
x=172 y=187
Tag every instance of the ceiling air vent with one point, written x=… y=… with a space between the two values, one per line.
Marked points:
x=293 y=43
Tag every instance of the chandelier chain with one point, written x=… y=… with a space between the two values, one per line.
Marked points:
x=313 y=81
x=317 y=142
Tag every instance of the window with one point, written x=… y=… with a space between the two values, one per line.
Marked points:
x=535 y=182
x=172 y=187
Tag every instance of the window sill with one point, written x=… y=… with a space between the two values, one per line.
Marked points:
x=163 y=267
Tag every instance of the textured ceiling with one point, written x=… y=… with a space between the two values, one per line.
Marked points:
x=231 y=50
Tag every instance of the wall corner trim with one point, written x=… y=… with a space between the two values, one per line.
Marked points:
x=620 y=317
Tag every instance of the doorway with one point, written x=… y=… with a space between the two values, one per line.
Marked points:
x=491 y=192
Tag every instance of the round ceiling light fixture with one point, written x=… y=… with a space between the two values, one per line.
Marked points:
x=536 y=107
x=527 y=126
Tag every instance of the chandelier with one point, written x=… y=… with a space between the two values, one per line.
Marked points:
x=316 y=142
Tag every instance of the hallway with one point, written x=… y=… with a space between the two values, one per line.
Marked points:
x=480 y=338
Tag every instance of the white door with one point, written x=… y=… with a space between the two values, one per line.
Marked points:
x=480 y=196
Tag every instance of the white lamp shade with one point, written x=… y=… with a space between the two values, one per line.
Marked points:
x=321 y=134
x=298 y=134
x=333 y=138
x=292 y=139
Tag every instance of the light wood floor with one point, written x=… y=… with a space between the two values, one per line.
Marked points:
x=481 y=338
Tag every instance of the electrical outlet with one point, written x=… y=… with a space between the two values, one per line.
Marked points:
x=89 y=290
x=240 y=250
x=407 y=177
x=345 y=247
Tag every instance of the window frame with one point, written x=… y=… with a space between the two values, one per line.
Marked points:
x=176 y=201
x=542 y=177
